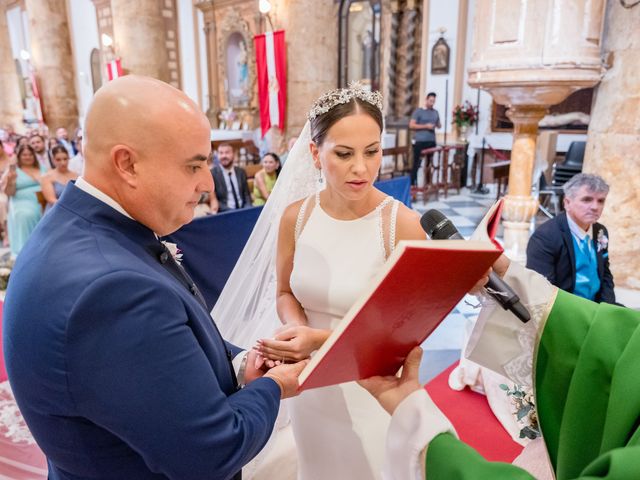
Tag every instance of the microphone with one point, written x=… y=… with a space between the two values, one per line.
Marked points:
x=439 y=227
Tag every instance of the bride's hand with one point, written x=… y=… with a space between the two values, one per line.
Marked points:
x=292 y=343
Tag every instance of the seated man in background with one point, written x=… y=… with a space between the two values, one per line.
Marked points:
x=571 y=250
x=231 y=186
x=580 y=355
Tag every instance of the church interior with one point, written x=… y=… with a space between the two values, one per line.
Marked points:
x=527 y=95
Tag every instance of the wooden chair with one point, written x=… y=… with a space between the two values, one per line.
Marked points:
x=451 y=169
x=431 y=165
x=401 y=164
x=501 y=176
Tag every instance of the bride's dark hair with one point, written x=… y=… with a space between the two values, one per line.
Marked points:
x=321 y=124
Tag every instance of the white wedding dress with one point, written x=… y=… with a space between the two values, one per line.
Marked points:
x=340 y=430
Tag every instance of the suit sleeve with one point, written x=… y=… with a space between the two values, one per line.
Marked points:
x=136 y=368
x=607 y=293
x=245 y=188
x=541 y=256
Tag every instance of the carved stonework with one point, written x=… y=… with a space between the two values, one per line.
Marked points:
x=402 y=71
x=235 y=21
x=530 y=56
x=233 y=24
x=613 y=141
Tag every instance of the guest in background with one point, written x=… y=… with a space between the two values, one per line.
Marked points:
x=21 y=182
x=231 y=186
x=283 y=157
x=4 y=200
x=40 y=147
x=265 y=179
x=572 y=249
x=424 y=122
x=21 y=142
x=76 y=164
x=63 y=138
x=54 y=182
x=52 y=142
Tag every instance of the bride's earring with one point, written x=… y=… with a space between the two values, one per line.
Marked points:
x=320 y=179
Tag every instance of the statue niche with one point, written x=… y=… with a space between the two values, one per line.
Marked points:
x=236 y=58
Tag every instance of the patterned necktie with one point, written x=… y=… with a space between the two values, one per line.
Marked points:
x=233 y=191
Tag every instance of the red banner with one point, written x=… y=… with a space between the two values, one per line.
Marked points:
x=271 y=67
x=114 y=69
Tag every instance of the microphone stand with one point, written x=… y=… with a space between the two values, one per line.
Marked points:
x=481 y=189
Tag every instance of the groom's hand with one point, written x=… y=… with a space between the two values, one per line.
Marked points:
x=255 y=367
x=286 y=376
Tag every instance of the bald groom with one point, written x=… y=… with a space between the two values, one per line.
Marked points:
x=111 y=352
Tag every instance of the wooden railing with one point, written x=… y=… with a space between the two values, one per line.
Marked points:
x=442 y=171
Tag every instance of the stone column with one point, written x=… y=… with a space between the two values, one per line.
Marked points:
x=312 y=49
x=52 y=60
x=139 y=37
x=530 y=56
x=614 y=141
x=10 y=101
x=519 y=205
x=211 y=44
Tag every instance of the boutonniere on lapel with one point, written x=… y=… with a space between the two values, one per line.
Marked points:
x=602 y=241
x=175 y=252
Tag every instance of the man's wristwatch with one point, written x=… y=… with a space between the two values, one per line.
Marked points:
x=241 y=372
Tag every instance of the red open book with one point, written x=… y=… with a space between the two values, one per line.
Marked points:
x=421 y=282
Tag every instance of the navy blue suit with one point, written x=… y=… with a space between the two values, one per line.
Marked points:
x=115 y=362
x=550 y=253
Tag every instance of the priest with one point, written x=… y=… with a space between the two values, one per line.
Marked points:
x=583 y=360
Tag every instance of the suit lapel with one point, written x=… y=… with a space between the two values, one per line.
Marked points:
x=167 y=261
x=567 y=238
x=223 y=184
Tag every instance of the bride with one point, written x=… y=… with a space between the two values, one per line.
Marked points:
x=334 y=230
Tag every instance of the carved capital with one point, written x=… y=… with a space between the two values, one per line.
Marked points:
x=519 y=208
x=525 y=118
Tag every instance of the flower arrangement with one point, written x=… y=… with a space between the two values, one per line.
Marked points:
x=465 y=115
x=526 y=414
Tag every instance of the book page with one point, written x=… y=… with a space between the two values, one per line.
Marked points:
x=488 y=226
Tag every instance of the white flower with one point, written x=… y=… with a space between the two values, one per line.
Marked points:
x=175 y=252
x=602 y=240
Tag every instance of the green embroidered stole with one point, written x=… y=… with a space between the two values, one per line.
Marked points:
x=587 y=377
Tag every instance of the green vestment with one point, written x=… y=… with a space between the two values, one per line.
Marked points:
x=587 y=378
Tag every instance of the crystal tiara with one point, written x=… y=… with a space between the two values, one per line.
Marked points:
x=344 y=95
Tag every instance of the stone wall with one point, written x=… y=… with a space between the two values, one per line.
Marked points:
x=312 y=54
x=614 y=141
x=10 y=104
x=53 y=62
